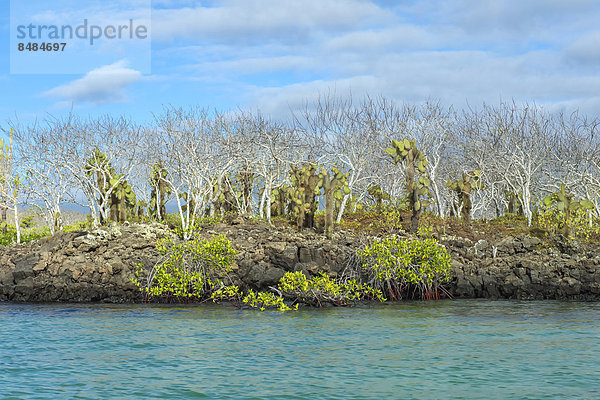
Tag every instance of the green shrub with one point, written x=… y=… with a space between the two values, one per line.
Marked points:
x=27 y=235
x=580 y=224
x=295 y=288
x=199 y=269
x=27 y=222
x=266 y=300
x=406 y=268
x=323 y=289
x=79 y=226
x=393 y=267
x=193 y=270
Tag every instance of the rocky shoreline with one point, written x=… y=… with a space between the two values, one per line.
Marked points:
x=97 y=265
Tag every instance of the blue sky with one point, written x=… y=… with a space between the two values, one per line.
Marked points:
x=277 y=55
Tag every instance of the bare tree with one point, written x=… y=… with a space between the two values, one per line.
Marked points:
x=522 y=137
x=277 y=147
x=9 y=183
x=99 y=153
x=195 y=157
x=47 y=182
x=346 y=136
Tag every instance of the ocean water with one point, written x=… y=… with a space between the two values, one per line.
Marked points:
x=416 y=350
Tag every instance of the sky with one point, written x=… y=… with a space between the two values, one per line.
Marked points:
x=275 y=56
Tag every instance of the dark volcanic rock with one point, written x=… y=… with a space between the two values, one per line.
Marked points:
x=79 y=266
x=521 y=269
x=97 y=266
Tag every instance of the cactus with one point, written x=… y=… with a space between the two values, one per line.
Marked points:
x=122 y=198
x=306 y=185
x=160 y=191
x=417 y=183
x=245 y=181
x=233 y=196
x=463 y=188
x=189 y=202
x=335 y=187
x=139 y=209
x=379 y=195
x=566 y=204
x=225 y=198
x=99 y=166
x=514 y=204
x=280 y=201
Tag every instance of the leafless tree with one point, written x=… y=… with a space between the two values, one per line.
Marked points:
x=46 y=180
x=196 y=158
x=10 y=183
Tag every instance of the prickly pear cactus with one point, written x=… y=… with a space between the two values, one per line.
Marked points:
x=514 y=205
x=245 y=183
x=281 y=201
x=566 y=204
x=306 y=184
x=100 y=166
x=160 y=191
x=463 y=188
x=379 y=195
x=405 y=152
x=335 y=187
x=122 y=200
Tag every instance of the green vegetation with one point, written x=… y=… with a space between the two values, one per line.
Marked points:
x=335 y=187
x=194 y=270
x=568 y=208
x=306 y=184
x=486 y=171
x=579 y=225
x=28 y=232
x=379 y=195
x=266 y=300
x=470 y=181
x=323 y=289
x=406 y=268
x=174 y=223
x=115 y=194
x=200 y=270
x=160 y=191
x=27 y=235
x=405 y=152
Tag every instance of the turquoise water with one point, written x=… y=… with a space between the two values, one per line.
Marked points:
x=436 y=350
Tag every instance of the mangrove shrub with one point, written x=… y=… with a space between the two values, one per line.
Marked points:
x=403 y=268
x=193 y=270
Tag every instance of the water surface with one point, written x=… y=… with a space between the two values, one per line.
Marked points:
x=423 y=350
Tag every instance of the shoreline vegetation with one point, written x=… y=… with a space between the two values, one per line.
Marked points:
x=402 y=178
x=252 y=264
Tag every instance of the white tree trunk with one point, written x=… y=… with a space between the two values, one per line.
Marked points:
x=268 y=196
x=17 y=225
x=345 y=199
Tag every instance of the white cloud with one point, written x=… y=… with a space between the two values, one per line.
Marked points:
x=256 y=21
x=401 y=37
x=256 y=65
x=585 y=50
x=106 y=84
x=456 y=78
x=277 y=55
x=279 y=101
x=459 y=52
